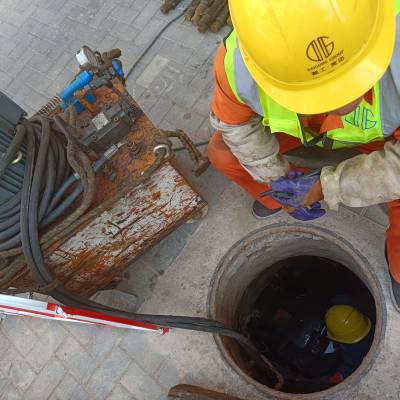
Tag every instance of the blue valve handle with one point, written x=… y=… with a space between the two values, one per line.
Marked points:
x=117 y=68
x=84 y=78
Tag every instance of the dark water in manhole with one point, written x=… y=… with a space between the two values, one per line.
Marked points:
x=283 y=312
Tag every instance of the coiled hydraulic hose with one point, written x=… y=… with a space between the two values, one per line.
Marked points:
x=55 y=212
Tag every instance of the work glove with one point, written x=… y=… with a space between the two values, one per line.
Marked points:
x=294 y=193
x=314 y=211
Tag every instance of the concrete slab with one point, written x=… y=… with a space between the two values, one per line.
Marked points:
x=183 y=290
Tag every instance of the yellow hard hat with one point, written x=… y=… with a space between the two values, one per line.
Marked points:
x=346 y=324
x=313 y=56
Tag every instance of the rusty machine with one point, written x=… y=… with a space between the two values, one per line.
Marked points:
x=87 y=180
x=87 y=185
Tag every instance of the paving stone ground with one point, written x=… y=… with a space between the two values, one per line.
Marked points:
x=173 y=84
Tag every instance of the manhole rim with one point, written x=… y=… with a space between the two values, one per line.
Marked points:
x=375 y=288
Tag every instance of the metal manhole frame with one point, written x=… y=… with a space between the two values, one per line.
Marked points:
x=368 y=277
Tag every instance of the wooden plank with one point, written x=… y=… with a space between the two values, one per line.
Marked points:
x=100 y=251
x=189 y=392
x=104 y=248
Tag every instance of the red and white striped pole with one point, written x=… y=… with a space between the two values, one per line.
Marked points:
x=18 y=306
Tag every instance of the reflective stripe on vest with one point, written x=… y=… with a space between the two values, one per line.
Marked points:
x=363 y=125
x=245 y=89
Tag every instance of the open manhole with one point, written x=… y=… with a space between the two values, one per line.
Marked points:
x=276 y=286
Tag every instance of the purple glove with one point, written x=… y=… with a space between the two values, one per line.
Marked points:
x=308 y=213
x=293 y=189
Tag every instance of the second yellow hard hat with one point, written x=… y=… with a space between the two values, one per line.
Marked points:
x=346 y=324
x=313 y=56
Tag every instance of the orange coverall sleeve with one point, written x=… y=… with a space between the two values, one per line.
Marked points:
x=224 y=104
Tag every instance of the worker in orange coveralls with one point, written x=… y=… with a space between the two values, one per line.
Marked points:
x=311 y=72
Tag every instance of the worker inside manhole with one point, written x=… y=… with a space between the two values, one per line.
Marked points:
x=314 y=319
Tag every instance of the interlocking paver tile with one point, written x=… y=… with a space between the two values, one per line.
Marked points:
x=70 y=389
x=42 y=387
x=108 y=373
x=10 y=393
x=50 y=334
x=124 y=14
x=26 y=338
x=184 y=118
x=97 y=341
x=120 y=393
x=136 y=343
x=77 y=359
x=16 y=369
x=66 y=387
x=167 y=375
x=160 y=110
x=141 y=384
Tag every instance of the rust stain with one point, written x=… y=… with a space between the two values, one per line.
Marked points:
x=156 y=195
x=180 y=183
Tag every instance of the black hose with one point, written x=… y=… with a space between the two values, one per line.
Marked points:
x=152 y=41
x=11 y=231
x=10 y=204
x=52 y=184
x=56 y=212
x=8 y=222
x=49 y=184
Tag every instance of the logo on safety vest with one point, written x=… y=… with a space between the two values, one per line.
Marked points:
x=320 y=48
x=362 y=117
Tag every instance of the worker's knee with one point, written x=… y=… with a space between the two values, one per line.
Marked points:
x=221 y=157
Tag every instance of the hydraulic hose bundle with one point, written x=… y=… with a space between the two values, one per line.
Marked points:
x=49 y=156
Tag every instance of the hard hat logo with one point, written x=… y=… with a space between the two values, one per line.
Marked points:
x=320 y=48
